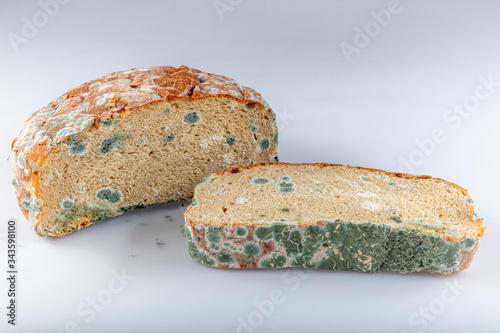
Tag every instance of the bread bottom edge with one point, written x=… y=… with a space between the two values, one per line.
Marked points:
x=331 y=246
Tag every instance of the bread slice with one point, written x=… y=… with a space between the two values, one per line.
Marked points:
x=331 y=217
x=132 y=139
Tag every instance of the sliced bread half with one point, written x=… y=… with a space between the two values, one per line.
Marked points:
x=132 y=139
x=331 y=217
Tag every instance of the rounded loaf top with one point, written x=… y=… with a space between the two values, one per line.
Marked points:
x=95 y=101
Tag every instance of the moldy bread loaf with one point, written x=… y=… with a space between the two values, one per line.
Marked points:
x=132 y=139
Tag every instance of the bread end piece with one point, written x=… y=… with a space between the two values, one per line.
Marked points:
x=327 y=244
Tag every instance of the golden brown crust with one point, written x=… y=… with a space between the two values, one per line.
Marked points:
x=84 y=107
x=321 y=165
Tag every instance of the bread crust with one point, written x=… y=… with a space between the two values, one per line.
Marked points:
x=77 y=111
x=197 y=234
x=466 y=255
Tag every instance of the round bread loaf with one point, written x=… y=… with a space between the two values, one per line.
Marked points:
x=132 y=139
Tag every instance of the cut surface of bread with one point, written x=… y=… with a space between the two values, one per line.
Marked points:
x=331 y=217
x=102 y=162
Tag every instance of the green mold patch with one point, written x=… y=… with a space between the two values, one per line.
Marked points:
x=286 y=187
x=264 y=144
x=264 y=233
x=111 y=142
x=65 y=131
x=195 y=252
x=273 y=120
x=22 y=161
x=32 y=206
x=391 y=183
x=169 y=137
x=76 y=146
x=468 y=243
x=253 y=128
x=366 y=179
x=371 y=247
x=288 y=237
x=453 y=233
x=72 y=140
x=285 y=178
x=336 y=245
x=275 y=138
x=84 y=121
x=68 y=204
x=26 y=204
x=35 y=207
x=178 y=197
x=230 y=140
x=107 y=123
x=252 y=249
x=213 y=235
x=65 y=218
x=113 y=197
x=191 y=118
x=203 y=258
x=469 y=201
x=128 y=208
x=166 y=110
x=95 y=211
x=14 y=182
x=224 y=257
x=241 y=232
x=397 y=218
x=275 y=261
x=260 y=181
x=276 y=159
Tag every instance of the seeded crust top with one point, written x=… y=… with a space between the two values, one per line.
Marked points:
x=96 y=101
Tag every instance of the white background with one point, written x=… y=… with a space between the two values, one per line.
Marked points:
x=368 y=109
